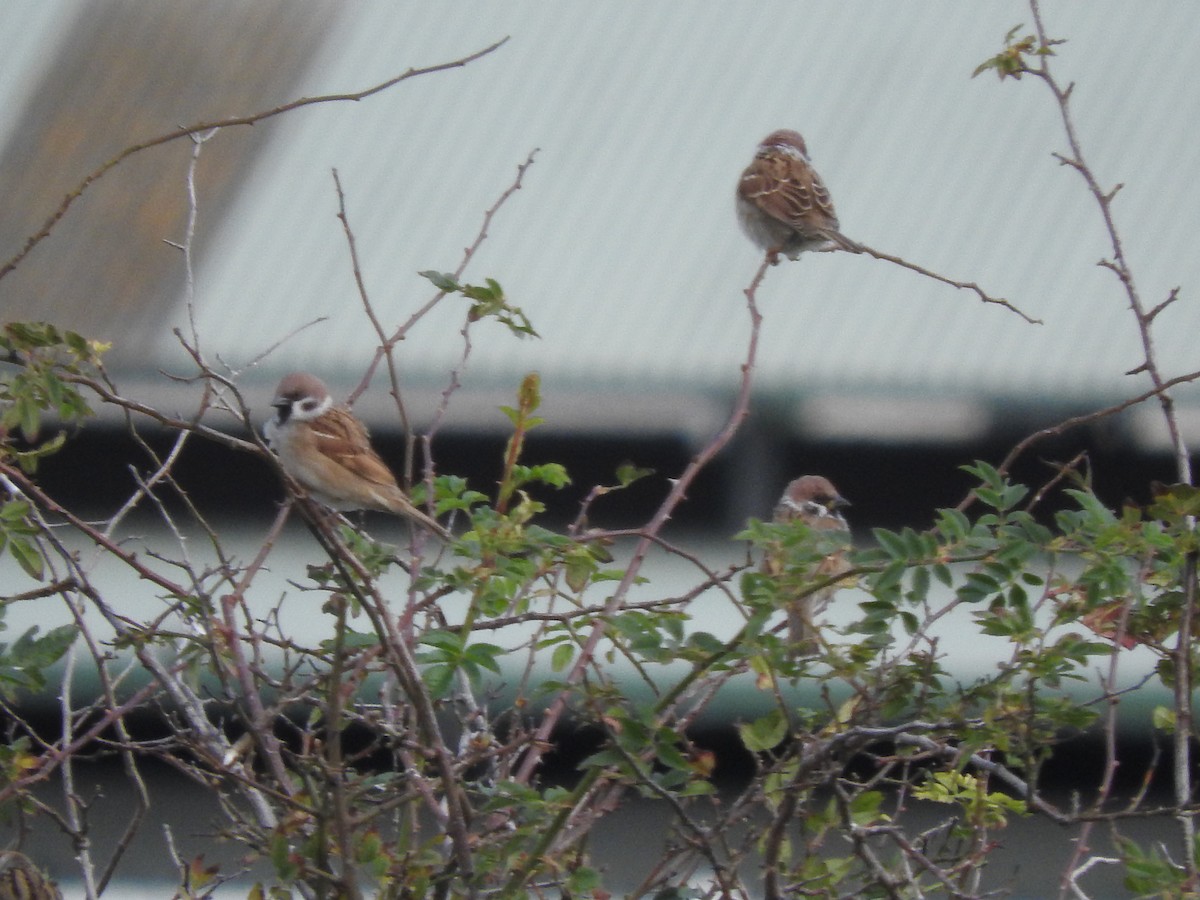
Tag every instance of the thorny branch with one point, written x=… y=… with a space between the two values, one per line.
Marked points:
x=402 y=331
x=1118 y=263
x=666 y=509
x=1183 y=681
x=983 y=295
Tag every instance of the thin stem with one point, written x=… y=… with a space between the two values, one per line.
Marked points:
x=186 y=132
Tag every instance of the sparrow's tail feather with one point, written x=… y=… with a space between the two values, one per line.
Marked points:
x=399 y=503
x=427 y=521
x=432 y=525
x=836 y=237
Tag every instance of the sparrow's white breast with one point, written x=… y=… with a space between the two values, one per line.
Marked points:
x=299 y=460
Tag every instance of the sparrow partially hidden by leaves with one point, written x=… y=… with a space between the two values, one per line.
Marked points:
x=328 y=452
x=783 y=204
x=814 y=501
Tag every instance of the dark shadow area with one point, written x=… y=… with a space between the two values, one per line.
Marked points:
x=890 y=486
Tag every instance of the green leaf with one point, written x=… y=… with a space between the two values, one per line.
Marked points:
x=953 y=523
x=28 y=414
x=583 y=880
x=30 y=650
x=439 y=678
x=865 y=808
x=765 y=733
x=484 y=655
x=25 y=553
x=14 y=511
x=25 y=663
x=443 y=281
x=920 y=585
x=889 y=579
x=579 y=566
x=281 y=857
x=986 y=473
x=891 y=543
x=1163 y=719
x=444 y=640
x=561 y=658
x=628 y=473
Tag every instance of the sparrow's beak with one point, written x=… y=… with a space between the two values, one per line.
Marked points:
x=837 y=503
x=283 y=409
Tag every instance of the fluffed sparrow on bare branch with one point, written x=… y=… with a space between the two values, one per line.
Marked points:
x=328 y=452
x=813 y=500
x=783 y=204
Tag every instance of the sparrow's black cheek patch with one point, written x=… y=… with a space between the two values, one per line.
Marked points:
x=309 y=405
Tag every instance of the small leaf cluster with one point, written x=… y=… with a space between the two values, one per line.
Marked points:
x=25 y=664
x=1011 y=61
x=37 y=363
x=487 y=302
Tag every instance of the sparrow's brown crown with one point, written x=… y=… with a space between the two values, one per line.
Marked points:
x=785 y=139
x=811 y=495
x=303 y=395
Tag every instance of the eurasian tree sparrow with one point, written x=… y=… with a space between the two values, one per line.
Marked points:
x=328 y=452
x=783 y=204
x=813 y=500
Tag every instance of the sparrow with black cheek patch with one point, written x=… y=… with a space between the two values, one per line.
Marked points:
x=813 y=500
x=783 y=204
x=325 y=449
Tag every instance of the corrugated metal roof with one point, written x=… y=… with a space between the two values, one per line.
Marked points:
x=111 y=74
x=623 y=246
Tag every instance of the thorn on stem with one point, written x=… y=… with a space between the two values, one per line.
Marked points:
x=1171 y=298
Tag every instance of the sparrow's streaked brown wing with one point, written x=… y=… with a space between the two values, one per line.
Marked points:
x=790 y=192
x=344 y=439
x=343 y=442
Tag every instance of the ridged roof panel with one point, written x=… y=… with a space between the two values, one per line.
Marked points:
x=623 y=247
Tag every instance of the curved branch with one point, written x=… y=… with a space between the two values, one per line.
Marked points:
x=961 y=285
x=677 y=495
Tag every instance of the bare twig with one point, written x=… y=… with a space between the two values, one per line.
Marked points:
x=1067 y=425
x=230 y=122
x=961 y=285
x=384 y=344
x=1182 y=682
x=1118 y=263
x=468 y=254
x=666 y=509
